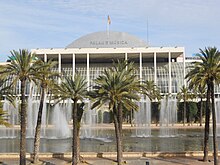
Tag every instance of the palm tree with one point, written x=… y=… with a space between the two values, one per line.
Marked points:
x=22 y=69
x=44 y=76
x=207 y=73
x=3 y=118
x=200 y=92
x=184 y=95
x=76 y=90
x=5 y=92
x=118 y=87
x=150 y=89
x=3 y=114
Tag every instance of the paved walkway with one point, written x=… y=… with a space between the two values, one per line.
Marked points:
x=128 y=161
x=153 y=161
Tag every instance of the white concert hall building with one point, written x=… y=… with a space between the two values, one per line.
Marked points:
x=92 y=53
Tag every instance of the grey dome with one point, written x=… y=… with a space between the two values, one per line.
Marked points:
x=107 y=40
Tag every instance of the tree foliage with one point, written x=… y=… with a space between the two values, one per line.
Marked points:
x=20 y=69
x=119 y=88
x=206 y=73
x=74 y=88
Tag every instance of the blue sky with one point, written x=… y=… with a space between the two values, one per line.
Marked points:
x=192 y=24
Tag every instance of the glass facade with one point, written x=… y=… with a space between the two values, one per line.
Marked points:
x=148 y=73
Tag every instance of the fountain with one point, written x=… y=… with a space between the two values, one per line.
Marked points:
x=58 y=130
x=32 y=113
x=217 y=111
x=13 y=118
x=92 y=123
x=60 y=124
x=55 y=120
x=142 y=118
x=68 y=107
x=89 y=122
x=59 y=115
x=44 y=118
x=168 y=116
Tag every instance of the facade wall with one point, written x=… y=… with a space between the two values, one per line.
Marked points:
x=153 y=63
x=168 y=75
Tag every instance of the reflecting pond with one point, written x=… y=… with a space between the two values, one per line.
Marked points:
x=185 y=140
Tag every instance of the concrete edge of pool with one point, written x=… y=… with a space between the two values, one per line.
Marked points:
x=110 y=154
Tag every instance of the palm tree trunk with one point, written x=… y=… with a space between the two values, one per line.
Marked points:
x=78 y=143
x=201 y=107
x=23 y=124
x=207 y=120
x=75 y=145
x=187 y=114
x=79 y=117
x=120 y=121
x=184 y=112
x=215 y=144
x=120 y=118
x=130 y=119
x=38 y=128
x=118 y=138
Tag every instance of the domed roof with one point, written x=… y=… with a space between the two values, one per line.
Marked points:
x=107 y=40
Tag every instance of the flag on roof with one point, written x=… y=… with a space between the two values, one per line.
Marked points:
x=109 y=20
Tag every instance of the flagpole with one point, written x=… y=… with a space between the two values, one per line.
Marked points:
x=147 y=32
x=108 y=29
x=108 y=25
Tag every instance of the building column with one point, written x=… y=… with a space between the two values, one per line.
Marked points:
x=126 y=56
x=140 y=61
x=59 y=66
x=87 y=71
x=184 y=68
x=170 y=80
x=155 y=68
x=74 y=65
x=45 y=57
